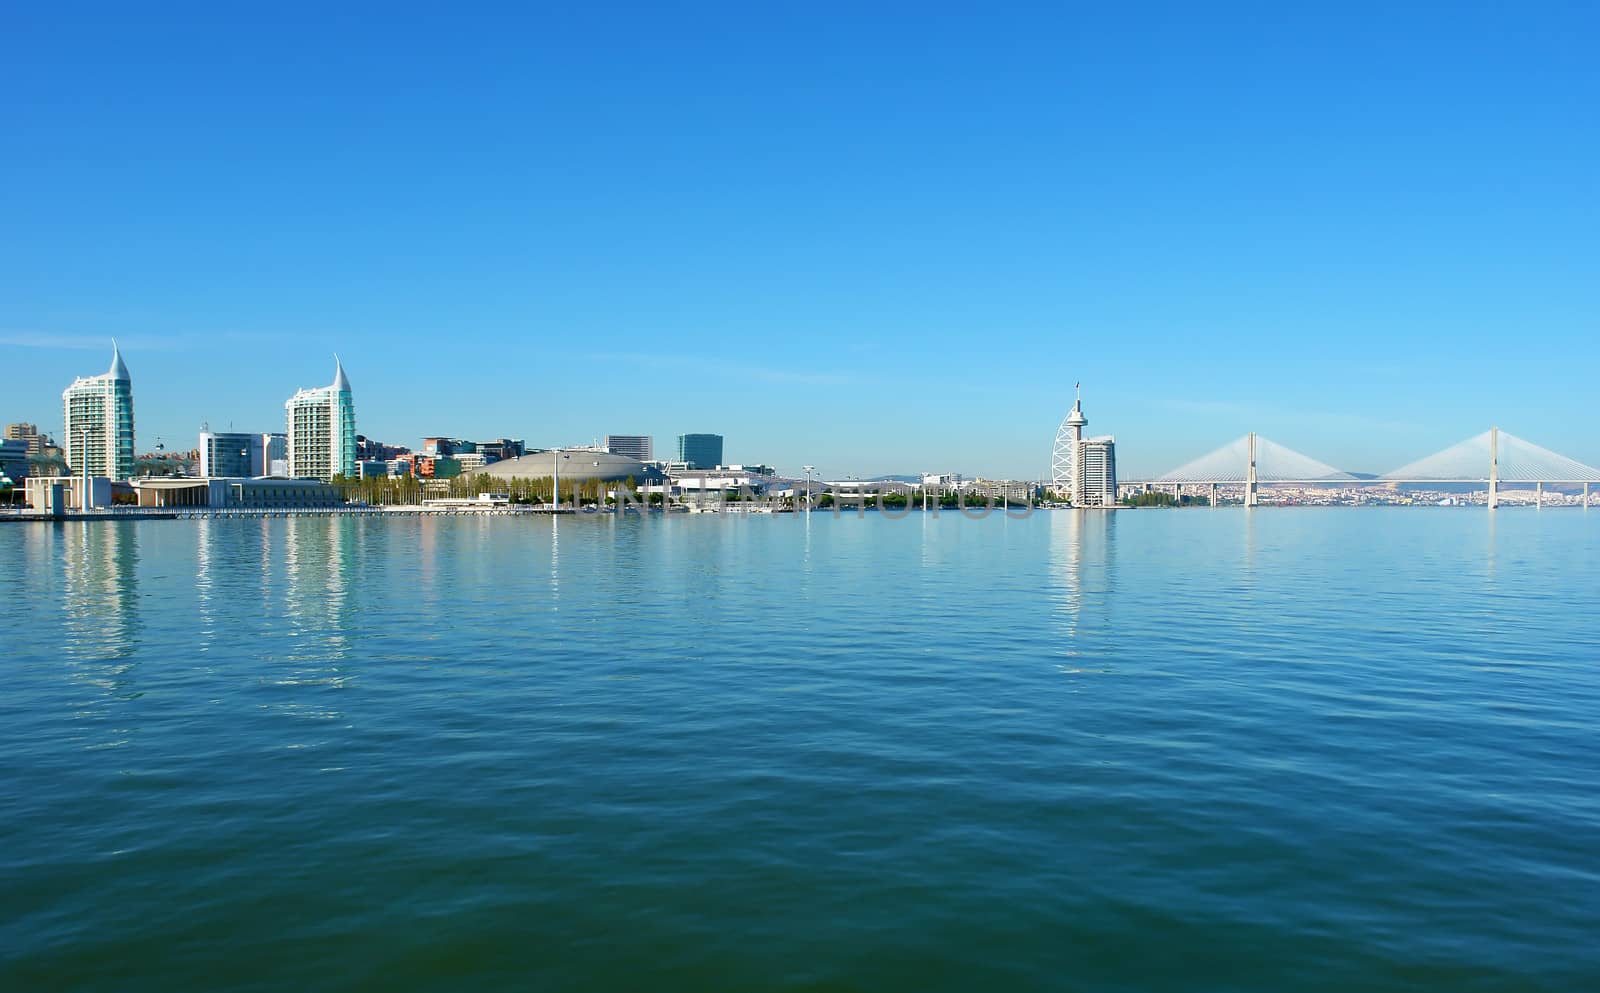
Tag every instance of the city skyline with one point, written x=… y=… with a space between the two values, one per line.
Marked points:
x=1366 y=244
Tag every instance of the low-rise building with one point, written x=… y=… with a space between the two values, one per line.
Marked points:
x=14 y=460
x=29 y=435
x=233 y=453
x=53 y=494
x=244 y=493
x=425 y=466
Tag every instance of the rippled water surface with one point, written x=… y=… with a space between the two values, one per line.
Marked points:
x=1184 y=750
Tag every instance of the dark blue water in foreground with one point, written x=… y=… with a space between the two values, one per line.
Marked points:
x=1191 y=750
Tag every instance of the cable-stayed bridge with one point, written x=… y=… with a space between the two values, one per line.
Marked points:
x=1493 y=457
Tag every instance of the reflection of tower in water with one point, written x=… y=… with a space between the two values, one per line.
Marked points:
x=316 y=589
x=101 y=595
x=100 y=607
x=1081 y=573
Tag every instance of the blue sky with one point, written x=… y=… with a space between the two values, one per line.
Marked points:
x=878 y=240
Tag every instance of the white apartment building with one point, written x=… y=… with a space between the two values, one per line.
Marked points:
x=322 y=430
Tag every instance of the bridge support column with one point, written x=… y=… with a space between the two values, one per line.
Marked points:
x=1538 y=496
x=1585 y=496
x=1213 y=494
x=1252 y=495
x=1494 y=468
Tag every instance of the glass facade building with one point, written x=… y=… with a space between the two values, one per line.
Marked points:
x=322 y=430
x=97 y=417
x=236 y=454
x=700 y=451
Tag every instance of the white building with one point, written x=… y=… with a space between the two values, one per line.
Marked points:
x=1084 y=468
x=1097 y=473
x=97 y=412
x=322 y=430
x=633 y=446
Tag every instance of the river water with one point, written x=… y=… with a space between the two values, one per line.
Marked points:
x=1308 y=749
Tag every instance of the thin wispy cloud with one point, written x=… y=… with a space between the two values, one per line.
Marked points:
x=54 y=341
x=61 y=342
x=711 y=366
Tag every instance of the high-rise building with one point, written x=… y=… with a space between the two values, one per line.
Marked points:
x=700 y=451
x=1085 y=469
x=1097 y=473
x=238 y=454
x=97 y=417
x=29 y=435
x=322 y=430
x=639 y=447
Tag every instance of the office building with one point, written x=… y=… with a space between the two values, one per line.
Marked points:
x=29 y=435
x=503 y=448
x=370 y=450
x=229 y=453
x=424 y=466
x=240 y=454
x=97 y=418
x=322 y=430
x=14 y=460
x=447 y=446
x=631 y=446
x=700 y=451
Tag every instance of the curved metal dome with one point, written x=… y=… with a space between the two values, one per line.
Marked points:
x=578 y=466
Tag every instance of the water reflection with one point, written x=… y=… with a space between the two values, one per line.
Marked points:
x=317 y=589
x=100 y=615
x=100 y=601
x=1081 y=560
x=555 y=560
x=204 y=585
x=1489 y=563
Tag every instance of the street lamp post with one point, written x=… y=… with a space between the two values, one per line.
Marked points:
x=556 y=479
x=83 y=467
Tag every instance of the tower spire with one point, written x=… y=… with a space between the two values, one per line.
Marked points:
x=341 y=382
x=119 y=369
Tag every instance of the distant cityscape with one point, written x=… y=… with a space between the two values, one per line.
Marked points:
x=320 y=460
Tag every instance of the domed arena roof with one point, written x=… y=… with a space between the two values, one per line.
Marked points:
x=576 y=465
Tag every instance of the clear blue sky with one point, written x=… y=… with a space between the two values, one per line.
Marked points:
x=887 y=241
